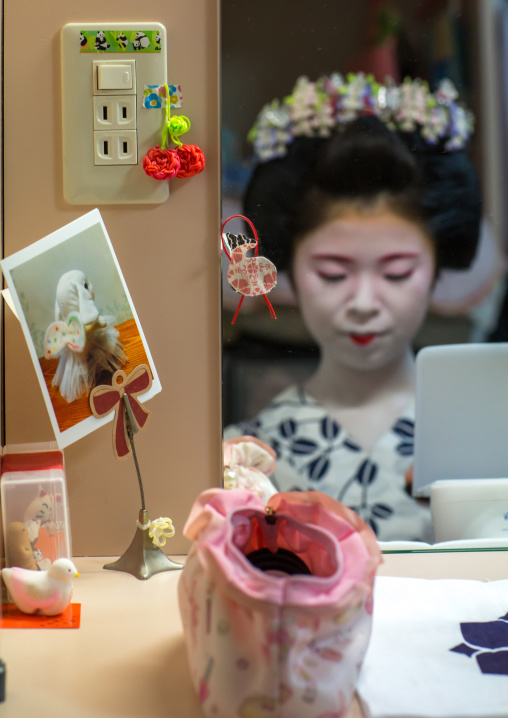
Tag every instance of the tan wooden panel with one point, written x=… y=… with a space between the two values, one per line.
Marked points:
x=169 y=255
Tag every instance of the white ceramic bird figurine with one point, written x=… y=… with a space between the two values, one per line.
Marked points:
x=48 y=592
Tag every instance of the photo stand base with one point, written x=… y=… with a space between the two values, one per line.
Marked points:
x=143 y=559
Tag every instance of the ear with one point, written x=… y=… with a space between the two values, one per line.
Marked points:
x=42 y=493
x=67 y=297
x=88 y=312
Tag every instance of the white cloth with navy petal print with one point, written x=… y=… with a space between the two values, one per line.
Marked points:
x=438 y=649
x=315 y=453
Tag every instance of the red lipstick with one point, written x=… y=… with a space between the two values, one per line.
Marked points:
x=362 y=339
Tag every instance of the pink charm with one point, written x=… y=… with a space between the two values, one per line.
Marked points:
x=249 y=276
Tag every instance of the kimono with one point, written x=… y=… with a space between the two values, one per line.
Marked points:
x=315 y=453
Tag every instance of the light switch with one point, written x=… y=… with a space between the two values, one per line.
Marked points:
x=114 y=77
x=106 y=130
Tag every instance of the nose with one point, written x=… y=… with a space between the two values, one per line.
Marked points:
x=363 y=303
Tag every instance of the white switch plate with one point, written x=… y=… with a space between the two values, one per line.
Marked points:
x=124 y=182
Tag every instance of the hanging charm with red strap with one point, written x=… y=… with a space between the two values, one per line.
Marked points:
x=183 y=161
x=249 y=276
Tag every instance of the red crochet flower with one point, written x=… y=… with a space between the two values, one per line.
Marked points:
x=192 y=160
x=161 y=164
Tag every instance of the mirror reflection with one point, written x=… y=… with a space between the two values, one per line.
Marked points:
x=367 y=196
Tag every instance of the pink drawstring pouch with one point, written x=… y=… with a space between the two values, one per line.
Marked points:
x=276 y=603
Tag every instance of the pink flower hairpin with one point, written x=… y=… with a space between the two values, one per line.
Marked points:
x=249 y=276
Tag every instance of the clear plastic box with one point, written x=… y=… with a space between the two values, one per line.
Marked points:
x=35 y=513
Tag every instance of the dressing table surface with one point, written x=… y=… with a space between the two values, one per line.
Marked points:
x=128 y=657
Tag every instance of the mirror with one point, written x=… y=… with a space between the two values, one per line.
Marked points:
x=266 y=46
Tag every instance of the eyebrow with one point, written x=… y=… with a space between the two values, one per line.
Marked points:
x=334 y=258
x=343 y=259
x=398 y=255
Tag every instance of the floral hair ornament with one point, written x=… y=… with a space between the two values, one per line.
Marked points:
x=249 y=276
x=317 y=109
x=183 y=161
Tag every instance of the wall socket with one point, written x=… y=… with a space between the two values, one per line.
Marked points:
x=115 y=147
x=114 y=113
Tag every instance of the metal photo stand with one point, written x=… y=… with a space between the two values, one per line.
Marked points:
x=143 y=558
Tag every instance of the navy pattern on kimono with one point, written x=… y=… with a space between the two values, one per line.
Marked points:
x=315 y=453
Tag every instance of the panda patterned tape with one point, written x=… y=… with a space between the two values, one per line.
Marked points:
x=100 y=41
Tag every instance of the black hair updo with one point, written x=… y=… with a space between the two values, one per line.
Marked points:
x=362 y=164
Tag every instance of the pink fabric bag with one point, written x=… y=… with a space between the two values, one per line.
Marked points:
x=276 y=603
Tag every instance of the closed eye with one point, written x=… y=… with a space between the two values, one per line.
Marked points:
x=398 y=277
x=332 y=277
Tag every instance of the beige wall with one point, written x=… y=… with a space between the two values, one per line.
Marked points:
x=169 y=255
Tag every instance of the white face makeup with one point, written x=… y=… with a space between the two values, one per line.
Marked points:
x=363 y=283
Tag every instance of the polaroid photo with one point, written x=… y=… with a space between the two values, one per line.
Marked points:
x=78 y=319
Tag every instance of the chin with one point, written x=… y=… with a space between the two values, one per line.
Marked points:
x=368 y=366
x=365 y=360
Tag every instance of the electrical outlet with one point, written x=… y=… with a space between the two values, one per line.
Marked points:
x=114 y=113
x=115 y=147
x=106 y=130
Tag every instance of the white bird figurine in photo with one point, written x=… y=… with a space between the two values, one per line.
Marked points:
x=86 y=342
x=47 y=592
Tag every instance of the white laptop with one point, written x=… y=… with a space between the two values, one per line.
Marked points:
x=461 y=439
